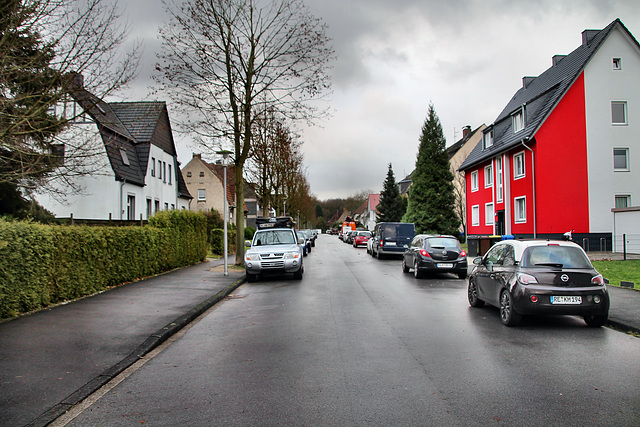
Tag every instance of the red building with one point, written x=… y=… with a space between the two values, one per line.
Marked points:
x=559 y=157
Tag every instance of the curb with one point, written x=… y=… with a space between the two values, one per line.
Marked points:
x=148 y=345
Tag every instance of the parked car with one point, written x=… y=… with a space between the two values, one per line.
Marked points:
x=274 y=251
x=348 y=237
x=306 y=243
x=539 y=277
x=361 y=238
x=392 y=238
x=435 y=253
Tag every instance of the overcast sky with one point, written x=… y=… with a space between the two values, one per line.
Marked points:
x=394 y=57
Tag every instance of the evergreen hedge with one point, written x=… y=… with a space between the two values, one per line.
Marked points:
x=42 y=265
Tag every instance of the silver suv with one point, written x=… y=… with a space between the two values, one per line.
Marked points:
x=274 y=251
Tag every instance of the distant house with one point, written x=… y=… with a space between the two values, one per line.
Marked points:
x=366 y=213
x=564 y=151
x=206 y=182
x=132 y=170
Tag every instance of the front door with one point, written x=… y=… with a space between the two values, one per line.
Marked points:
x=500 y=223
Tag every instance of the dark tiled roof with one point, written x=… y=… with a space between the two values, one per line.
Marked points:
x=140 y=118
x=539 y=96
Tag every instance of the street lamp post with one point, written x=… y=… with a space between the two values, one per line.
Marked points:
x=225 y=162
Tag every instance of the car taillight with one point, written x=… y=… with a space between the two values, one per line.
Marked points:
x=463 y=254
x=381 y=243
x=526 y=279
x=597 y=280
x=424 y=252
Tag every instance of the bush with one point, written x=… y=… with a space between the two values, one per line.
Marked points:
x=46 y=264
x=217 y=241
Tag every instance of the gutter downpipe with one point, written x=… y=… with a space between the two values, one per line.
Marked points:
x=533 y=177
x=124 y=181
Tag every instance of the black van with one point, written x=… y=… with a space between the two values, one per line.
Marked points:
x=391 y=238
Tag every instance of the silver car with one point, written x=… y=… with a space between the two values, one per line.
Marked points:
x=274 y=251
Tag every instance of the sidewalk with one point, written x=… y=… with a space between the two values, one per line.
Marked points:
x=54 y=358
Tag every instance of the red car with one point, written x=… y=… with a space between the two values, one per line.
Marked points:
x=361 y=238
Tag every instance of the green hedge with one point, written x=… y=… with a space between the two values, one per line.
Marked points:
x=46 y=264
x=217 y=241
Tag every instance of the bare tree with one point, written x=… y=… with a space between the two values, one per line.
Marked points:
x=44 y=44
x=224 y=59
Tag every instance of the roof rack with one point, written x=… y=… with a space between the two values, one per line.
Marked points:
x=277 y=222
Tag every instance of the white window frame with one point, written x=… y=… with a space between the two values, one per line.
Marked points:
x=489 y=214
x=488 y=176
x=520 y=214
x=131 y=206
x=499 y=180
x=621 y=197
x=626 y=157
x=474 y=181
x=487 y=139
x=153 y=166
x=202 y=194
x=475 y=215
x=518 y=121
x=625 y=113
x=617 y=64
x=519 y=172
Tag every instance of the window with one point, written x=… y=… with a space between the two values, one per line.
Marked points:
x=169 y=174
x=621 y=159
x=153 y=166
x=189 y=174
x=623 y=201
x=166 y=206
x=617 y=63
x=474 y=181
x=487 y=139
x=488 y=176
x=202 y=194
x=156 y=205
x=149 y=212
x=495 y=255
x=164 y=171
x=488 y=214
x=125 y=158
x=520 y=204
x=475 y=215
x=159 y=169
x=131 y=207
x=619 y=112
x=201 y=174
x=518 y=121
x=499 y=185
x=518 y=165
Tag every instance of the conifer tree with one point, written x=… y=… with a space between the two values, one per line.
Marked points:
x=431 y=196
x=391 y=207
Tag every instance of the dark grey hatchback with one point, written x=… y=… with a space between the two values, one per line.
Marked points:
x=435 y=253
x=539 y=277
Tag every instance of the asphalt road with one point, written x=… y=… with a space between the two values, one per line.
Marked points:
x=358 y=342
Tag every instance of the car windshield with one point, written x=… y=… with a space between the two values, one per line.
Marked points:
x=443 y=243
x=274 y=237
x=555 y=256
x=364 y=233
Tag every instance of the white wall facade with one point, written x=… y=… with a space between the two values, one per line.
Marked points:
x=604 y=84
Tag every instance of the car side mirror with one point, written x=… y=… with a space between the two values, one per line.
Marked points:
x=300 y=241
x=247 y=243
x=477 y=260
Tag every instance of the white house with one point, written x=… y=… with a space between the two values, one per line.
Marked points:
x=130 y=168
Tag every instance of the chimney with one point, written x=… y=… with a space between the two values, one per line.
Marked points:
x=526 y=81
x=588 y=35
x=557 y=58
x=466 y=131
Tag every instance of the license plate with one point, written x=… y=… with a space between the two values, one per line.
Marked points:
x=390 y=243
x=566 y=300
x=444 y=265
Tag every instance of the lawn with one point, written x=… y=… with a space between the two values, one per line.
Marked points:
x=616 y=271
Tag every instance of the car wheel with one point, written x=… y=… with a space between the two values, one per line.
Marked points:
x=416 y=270
x=405 y=267
x=595 y=320
x=379 y=255
x=298 y=274
x=472 y=295
x=508 y=316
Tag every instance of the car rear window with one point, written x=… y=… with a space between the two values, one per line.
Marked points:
x=555 y=256
x=364 y=233
x=443 y=242
x=391 y=231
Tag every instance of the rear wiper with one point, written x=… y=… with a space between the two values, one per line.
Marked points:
x=550 y=264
